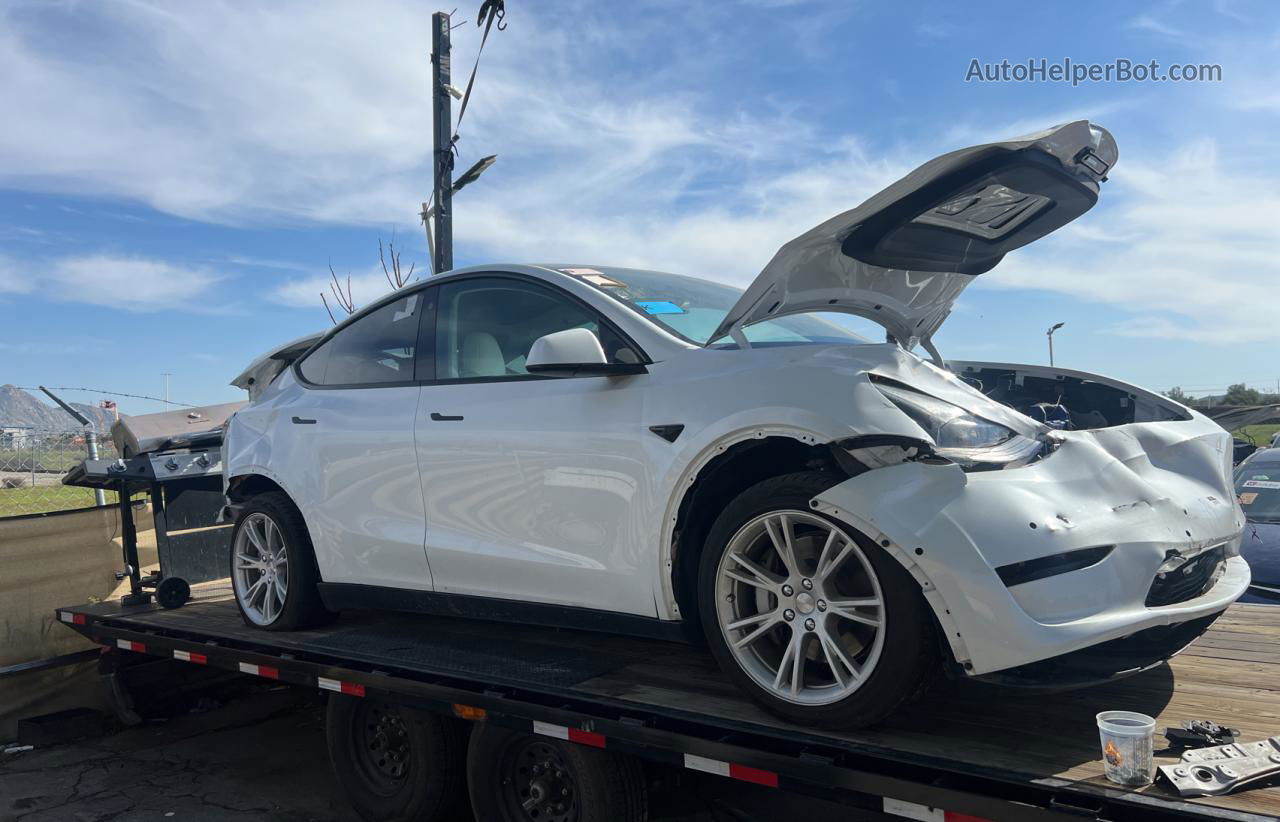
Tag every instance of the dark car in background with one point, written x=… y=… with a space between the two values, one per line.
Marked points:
x=1258 y=486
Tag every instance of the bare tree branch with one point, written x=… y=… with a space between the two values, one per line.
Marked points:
x=343 y=297
x=396 y=278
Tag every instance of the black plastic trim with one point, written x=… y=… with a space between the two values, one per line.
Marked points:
x=339 y=596
x=670 y=433
x=1019 y=573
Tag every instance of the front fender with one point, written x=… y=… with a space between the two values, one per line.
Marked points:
x=1145 y=490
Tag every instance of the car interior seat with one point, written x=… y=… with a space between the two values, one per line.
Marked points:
x=481 y=356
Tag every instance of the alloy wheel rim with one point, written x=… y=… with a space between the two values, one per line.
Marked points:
x=800 y=607
x=261 y=568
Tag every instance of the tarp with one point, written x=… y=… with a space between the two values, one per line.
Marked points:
x=47 y=562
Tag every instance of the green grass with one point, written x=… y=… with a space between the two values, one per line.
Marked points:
x=57 y=460
x=42 y=499
x=1260 y=434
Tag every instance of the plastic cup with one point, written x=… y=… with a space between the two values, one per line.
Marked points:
x=1126 y=747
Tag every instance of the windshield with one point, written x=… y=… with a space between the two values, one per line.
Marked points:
x=693 y=308
x=1258 y=487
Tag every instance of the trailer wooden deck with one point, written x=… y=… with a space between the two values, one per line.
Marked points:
x=963 y=729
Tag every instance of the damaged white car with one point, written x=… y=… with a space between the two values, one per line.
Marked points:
x=641 y=452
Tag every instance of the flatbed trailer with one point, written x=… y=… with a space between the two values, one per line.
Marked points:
x=963 y=750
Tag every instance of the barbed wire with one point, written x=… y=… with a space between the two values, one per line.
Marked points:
x=111 y=393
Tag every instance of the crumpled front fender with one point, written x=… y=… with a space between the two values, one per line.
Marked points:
x=1147 y=489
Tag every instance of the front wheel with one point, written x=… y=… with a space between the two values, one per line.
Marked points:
x=273 y=570
x=808 y=616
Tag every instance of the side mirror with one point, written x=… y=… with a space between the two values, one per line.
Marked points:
x=574 y=352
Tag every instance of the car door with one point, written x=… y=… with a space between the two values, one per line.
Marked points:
x=351 y=460
x=536 y=487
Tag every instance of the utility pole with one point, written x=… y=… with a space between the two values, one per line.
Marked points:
x=166 y=375
x=442 y=104
x=90 y=440
x=1052 y=329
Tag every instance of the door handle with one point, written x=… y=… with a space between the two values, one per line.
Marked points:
x=438 y=417
x=301 y=421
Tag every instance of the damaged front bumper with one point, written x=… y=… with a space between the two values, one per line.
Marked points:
x=1110 y=524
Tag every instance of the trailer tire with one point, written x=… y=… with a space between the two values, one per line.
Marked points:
x=302 y=607
x=900 y=660
x=507 y=769
x=396 y=764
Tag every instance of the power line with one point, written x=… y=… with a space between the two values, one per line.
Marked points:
x=111 y=393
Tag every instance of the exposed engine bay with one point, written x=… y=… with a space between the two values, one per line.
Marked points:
x=1065 y=400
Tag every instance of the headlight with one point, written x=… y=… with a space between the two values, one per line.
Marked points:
x=960 y=436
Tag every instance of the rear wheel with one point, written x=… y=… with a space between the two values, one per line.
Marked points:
x=273 y=569
x=522 y=777
x=396 y=764
x=808 y=616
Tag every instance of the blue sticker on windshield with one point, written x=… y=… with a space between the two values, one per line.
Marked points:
x=659 y=307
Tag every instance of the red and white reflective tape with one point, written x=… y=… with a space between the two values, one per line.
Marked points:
x=340 y=687
x=731 y=770
x=70 y=618
x=259 y=670
x=128 y=645
x=187 y=656
x=578 y=735
x=925 y=813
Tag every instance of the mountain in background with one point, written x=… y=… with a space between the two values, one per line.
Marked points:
x=20 y=409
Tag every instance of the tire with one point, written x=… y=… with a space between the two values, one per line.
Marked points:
x=824 y=624
x=273 y=517
x=507 y=769
x=394 y=763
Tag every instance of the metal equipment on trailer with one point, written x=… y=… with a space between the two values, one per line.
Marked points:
x=176 y=458
x=963 y=752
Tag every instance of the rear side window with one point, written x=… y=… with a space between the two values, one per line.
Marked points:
x=377 y=349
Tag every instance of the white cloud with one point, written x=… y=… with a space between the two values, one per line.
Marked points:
x=291 y=113
x=1146 y=22
x=15 y=278
x=1186 y=245
x=129 y=283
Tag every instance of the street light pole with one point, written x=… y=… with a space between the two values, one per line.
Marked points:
x=1052 y=329
x=442 y=103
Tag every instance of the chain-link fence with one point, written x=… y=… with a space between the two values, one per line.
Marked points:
x=33 y=462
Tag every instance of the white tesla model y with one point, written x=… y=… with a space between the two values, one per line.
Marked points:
x=836 y=517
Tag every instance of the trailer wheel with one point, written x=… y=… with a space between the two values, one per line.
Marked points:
x=521 y=777
x=396 y=764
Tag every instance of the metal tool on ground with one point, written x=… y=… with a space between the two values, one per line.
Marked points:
x=1224 y=768
x=1199 y=733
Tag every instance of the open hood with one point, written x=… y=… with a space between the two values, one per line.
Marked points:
x=905 y=255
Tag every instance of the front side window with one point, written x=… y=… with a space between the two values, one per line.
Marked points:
x=376 y=349
x=485 y=327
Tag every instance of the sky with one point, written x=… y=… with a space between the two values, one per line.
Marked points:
x=176 y=178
